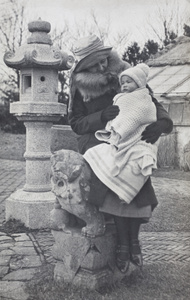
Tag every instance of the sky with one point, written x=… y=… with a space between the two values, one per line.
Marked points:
x=123 y=14
x=120 y=11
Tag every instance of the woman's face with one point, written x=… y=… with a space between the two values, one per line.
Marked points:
x=99 y=67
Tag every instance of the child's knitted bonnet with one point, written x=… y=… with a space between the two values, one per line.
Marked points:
x=138 y=73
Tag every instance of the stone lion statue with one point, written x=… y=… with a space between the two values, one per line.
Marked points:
x=71 y=184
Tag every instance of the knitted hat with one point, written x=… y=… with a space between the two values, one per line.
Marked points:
x=88 y=51
x=138 y=73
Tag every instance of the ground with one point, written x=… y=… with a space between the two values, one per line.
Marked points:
x=157 y=280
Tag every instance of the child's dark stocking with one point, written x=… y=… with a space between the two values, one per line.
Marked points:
x=122 y=252
x=122 y=226
x=134 y=228
x=135 y=249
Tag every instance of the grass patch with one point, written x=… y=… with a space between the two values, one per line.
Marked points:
x=172 y=173
x=161 y=281
x=14 y=226
x=43 y=287
x=12 y=146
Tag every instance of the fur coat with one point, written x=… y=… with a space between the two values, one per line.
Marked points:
x=92 y=85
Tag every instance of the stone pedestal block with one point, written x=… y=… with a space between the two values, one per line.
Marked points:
x=31 y=208
x=88 y=262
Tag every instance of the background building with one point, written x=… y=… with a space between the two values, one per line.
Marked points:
x=170 y=80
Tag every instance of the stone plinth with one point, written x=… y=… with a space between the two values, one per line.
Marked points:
x=31 y=208
x=32 y=204
x=87 y=262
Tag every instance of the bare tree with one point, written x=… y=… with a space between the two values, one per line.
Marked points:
x=101 y=29
x=60 y=38
x=12 y=24
x=120 y=41
x=167 y=21
x=93 y=23
x=12 y=34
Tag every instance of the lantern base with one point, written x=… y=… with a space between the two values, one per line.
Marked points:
x=31 y=208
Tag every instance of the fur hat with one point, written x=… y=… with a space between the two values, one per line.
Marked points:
x=88 y=51
x=138 y=73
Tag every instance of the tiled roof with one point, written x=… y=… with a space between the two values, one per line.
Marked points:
x=170 y=81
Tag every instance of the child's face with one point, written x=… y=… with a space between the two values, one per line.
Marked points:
x=128 y=85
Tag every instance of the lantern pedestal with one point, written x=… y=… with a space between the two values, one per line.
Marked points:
x=32 y=204
x=39 y=62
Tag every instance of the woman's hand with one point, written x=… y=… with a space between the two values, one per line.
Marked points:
x=153 y=131
x=110 y=113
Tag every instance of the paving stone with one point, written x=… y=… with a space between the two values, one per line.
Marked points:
x=7 y=252
x=24 y=250
x=4 y=238
x=4 y=260
x=13 y=290
x=21 y=274
x=6 y=246
x=2 y=233
x=166 y=247
x=24 y=244
x=21 y=237
x=25 y=262
x=3 y=271
x=45 y=241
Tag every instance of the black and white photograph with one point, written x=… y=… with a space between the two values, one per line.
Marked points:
x=94 y=149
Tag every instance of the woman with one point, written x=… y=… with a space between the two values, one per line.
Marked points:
x=93 y=85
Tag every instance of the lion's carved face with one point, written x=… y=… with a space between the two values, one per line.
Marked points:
x=71 y=176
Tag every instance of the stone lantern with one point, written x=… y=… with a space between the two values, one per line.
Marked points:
x=39 y=63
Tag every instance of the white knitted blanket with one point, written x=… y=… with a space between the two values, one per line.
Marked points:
x=110 y=161
x=136 y=111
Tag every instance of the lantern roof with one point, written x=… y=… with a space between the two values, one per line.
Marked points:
x=39 y=52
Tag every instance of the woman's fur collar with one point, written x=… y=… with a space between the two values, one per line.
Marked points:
x=94 y=85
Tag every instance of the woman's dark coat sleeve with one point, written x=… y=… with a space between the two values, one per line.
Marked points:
x=81 y=121
x=163 y=114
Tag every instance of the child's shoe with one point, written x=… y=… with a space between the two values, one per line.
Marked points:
x=122 y=258
x=135 y=253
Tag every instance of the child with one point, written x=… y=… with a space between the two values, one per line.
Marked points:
x=124 y=162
